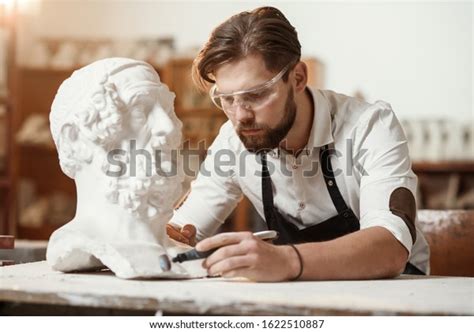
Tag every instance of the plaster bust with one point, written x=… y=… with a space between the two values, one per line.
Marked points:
x=108 y=122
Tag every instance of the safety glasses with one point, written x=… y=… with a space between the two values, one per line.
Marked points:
x=253 y=98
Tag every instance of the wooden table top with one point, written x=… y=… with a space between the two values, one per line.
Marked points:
x=413 y=295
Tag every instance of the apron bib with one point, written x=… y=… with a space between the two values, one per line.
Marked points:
x=344 y=222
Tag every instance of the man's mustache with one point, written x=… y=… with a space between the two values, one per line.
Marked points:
x=253 y=126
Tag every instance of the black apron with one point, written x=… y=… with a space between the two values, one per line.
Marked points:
x=343 y=223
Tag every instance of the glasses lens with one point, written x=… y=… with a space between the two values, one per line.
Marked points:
x=223 y=102
x=227 y=102
x=217 y=102
x=257 y=98
x=250 y=99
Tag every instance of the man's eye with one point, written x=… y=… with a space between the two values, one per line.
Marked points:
x=256 y=96
x=227 y=100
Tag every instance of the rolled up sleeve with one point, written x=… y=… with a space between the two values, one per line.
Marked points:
x=214 y=193
x=388 y=184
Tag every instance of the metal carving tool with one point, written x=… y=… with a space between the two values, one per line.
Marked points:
x=165 y=262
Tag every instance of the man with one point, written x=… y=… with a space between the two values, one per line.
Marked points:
x=329 y=172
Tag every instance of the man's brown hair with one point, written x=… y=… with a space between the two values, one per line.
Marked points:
x=264 y=31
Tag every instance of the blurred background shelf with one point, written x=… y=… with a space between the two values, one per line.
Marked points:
x=4 y=182
x=53 y=41
x=42 y=232
x=39 y=176
x=38 y=173
x=444 y=167
x=445 y=184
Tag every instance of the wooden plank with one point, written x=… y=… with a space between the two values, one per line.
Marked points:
x=37 y=283
x=7 y=241
x=460 y=166
x=6 y=262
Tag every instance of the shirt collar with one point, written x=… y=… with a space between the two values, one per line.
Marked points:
x=321 y=131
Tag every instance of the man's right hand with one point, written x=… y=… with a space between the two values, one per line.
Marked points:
x=185 y=234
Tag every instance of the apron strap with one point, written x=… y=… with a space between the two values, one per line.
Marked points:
x=267 y=191
x=330 y=180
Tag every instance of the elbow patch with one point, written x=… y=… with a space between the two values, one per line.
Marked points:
x=402 y=204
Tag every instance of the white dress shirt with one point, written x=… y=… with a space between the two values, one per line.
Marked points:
x=372 y=161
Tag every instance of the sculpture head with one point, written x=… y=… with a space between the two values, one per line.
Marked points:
x=101 y=117
x=116 y=134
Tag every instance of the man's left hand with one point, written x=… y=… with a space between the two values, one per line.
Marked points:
x=241 y=254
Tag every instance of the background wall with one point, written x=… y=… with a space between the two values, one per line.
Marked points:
x=415 y=55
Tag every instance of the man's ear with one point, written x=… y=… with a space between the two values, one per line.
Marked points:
x=300 y=73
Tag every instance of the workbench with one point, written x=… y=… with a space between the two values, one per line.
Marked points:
x=405 y=295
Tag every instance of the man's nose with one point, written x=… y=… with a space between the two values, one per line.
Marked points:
x=242 y=114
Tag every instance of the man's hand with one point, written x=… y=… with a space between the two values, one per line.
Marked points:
x=186 y=235
x=242 y=254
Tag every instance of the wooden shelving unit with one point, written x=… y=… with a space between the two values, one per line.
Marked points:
x=7 y=26
x=4 y=182
x=5 y=177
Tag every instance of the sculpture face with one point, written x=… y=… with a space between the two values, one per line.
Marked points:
x=117 y=136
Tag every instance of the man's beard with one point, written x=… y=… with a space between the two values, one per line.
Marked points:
x=270 y=138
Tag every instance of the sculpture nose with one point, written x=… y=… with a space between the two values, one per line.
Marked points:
x=167 y=131
x=163 y=132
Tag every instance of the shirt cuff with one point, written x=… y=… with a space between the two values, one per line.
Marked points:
x=390 y=222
